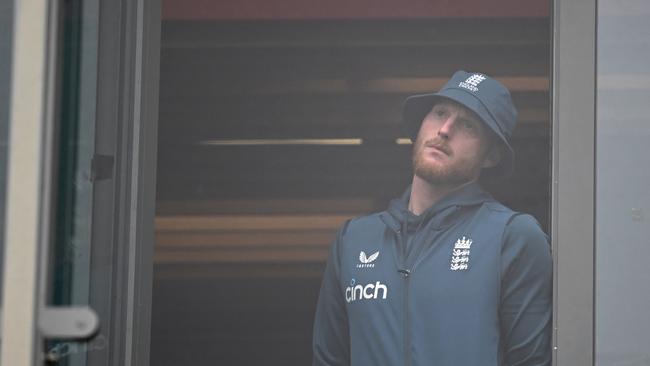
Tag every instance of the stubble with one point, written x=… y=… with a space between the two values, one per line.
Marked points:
x=452 y=173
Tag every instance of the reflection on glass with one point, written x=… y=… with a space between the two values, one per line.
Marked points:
x=623 y=181
x=71 y=269
x=76 y=147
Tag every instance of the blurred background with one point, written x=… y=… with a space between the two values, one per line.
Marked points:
x=279 y=121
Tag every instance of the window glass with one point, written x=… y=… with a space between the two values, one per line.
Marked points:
x=74 y=268
x=623 y=181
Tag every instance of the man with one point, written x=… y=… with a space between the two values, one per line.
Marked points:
x=446 y=275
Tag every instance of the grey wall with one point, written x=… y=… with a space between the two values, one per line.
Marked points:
x=623 y=184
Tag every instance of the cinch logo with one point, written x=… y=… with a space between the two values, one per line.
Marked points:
x=366 y=262
x=472 y=82
x=367 y=292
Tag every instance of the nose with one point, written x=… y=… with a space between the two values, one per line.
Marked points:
x=446 y=127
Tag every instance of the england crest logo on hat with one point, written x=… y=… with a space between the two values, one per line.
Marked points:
x=471 y=83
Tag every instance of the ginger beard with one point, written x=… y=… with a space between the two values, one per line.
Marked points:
x=453 y=171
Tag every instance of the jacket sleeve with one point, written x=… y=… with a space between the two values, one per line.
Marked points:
x=331 y=339
x=526 y=294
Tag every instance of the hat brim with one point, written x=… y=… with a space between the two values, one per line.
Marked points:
x=416 y=107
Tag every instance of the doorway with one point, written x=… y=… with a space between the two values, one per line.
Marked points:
x=273 y=132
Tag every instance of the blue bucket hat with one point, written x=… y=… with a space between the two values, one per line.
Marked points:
x=481 y=94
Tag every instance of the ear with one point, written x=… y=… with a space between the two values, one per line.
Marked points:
x=494 y=155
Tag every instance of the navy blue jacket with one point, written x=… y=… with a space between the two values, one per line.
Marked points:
x=466 y=283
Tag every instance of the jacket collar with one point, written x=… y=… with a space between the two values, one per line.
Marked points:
x=440 y=213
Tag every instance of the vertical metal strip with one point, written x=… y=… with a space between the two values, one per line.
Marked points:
x=143 y=177
x=574 y=91
x=134 y=208
x=29 y=175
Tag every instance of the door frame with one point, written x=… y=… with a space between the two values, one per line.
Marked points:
x=573 y=179
x=30 y=122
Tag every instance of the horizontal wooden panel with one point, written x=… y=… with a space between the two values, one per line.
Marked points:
x=313 y=9
x=218 y=74
x=354 y=33
x=250 y=222
x=246 y=240
x=266 y=205
x=379 y=85
x=380 y=124
x=270 y=255
x=264 y=271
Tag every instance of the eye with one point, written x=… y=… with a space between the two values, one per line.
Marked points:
x=469 y=124
x=439 y=112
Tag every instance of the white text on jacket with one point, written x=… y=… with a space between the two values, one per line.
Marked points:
x=367 y=292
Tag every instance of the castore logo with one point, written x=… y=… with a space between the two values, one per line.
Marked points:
x=366 y=262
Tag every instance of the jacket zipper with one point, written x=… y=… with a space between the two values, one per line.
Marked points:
x=405 y=272
x=407 y=332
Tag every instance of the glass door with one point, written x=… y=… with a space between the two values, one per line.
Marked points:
x=72 y=268
x=79 y=211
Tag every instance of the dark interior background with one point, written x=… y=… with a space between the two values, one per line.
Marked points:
x=242 y=231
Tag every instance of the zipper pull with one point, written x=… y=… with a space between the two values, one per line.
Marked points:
x=404 y=272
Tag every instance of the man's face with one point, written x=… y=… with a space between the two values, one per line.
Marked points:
x=452 y=146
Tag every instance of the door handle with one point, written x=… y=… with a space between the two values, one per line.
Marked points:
x=69 y=322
